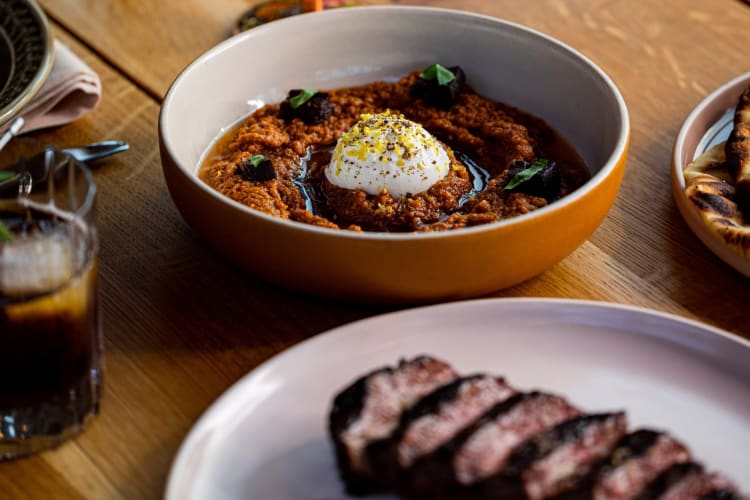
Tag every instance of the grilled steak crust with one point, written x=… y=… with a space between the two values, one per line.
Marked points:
x=688 y=481
x=535 y=414
x=370 y=408
x=435 y=419
x=698 y=485
x=671 y=476
x=636 y=459
x=722 y=494
x=639 y=458
x=481 y=449
x=548 y=463
x=420 y=430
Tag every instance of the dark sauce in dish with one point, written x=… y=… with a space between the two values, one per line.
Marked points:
x=486 y=137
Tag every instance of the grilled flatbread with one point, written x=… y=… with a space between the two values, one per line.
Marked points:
x=710 y=186
x=738 y=150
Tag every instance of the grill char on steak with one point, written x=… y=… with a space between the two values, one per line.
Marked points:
x=687 y=480
x=482 y=449
x=435 y=419
x=638 y=459
x=421 y=431
x=548 y=463
x=369 y=410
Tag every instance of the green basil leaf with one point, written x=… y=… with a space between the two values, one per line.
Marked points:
x=443 y=75
x=6 y=174
x=256 y=160
x=302 y=98
x=526 y=174
x=4 y=232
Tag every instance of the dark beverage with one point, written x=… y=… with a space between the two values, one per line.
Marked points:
x=50 y=342
x=49 y=326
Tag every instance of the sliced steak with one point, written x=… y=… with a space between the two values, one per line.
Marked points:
x=419 y=430
x=370 y=409
x=424 y=431
x=687 y=481
x=639 y=458
x=482 y=449
x=435 y=419
x=550 y=462
x=723 y=494
x=707 y=484
x=487 y=450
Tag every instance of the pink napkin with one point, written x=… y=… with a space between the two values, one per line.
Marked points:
x=71 y=90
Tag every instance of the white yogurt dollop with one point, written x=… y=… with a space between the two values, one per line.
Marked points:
x=387 y=152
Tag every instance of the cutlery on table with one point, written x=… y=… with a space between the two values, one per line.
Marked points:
x=36 y=169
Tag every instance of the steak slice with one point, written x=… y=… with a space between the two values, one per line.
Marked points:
x=723 y=494
x=482 y=449
x=548 y=463
x=487 y=450
x=688 y=481
x=435 y=419
x=639 y=458
x=370 y=409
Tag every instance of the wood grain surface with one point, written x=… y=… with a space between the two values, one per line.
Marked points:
x=181 y=325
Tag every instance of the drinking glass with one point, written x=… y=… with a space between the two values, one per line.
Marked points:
x=50 y=330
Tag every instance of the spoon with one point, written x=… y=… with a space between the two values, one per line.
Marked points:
x=12 y=131
x=36 y=169
x=96 y=150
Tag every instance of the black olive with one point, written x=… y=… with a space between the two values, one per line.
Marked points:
x=315 y=110
x=546 y=183
x=440 y=96
x=263 y=172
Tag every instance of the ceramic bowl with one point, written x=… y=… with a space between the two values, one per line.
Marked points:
x=344 y=47
x=709 y=124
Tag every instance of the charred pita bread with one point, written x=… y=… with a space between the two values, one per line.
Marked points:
x=738 y=150
x=710 y=186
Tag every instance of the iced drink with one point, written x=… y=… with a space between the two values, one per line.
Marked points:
x=49 y=320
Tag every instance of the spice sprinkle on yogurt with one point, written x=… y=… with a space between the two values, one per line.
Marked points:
x=387 y=152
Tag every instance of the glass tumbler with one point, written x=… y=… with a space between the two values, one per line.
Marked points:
x=50 y=329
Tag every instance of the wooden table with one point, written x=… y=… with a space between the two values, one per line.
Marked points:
x=181 y=325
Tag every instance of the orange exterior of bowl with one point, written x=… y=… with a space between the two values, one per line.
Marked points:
x=379 y=267
x=456 y=264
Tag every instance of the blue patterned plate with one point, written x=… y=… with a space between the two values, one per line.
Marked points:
x=26 y=52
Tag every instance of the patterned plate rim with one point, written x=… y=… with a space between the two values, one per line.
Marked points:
x=34 y=79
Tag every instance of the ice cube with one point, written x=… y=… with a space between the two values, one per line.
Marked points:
x=35 y=264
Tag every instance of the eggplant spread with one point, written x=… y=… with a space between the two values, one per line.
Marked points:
x=424 y=153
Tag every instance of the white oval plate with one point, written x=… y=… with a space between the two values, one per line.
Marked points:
x=266 y=436
x=710 y=123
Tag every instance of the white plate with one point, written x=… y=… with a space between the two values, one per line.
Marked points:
x=266 y=437
x=710 y=123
